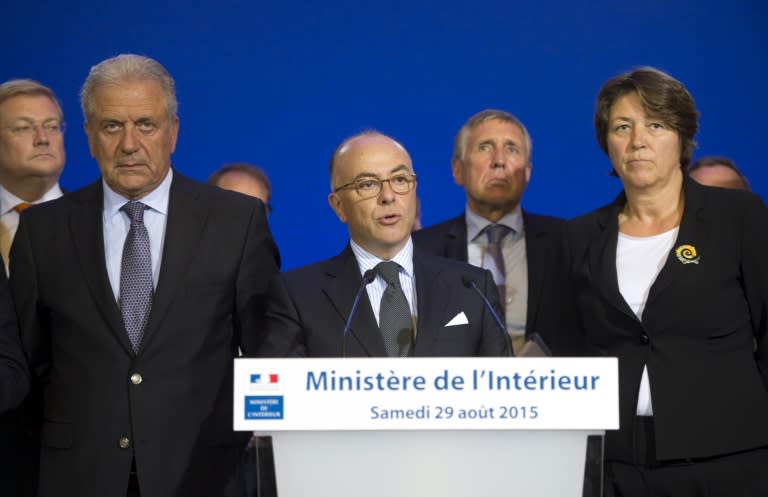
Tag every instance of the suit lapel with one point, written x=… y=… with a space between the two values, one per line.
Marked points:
x=344 y=280
x=186 y=220
x=694 y=231
x=602 y=257
x=538 y=256
x=456 y=239
x=432 y=299
x=88 y=237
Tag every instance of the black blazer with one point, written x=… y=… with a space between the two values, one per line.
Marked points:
x=706 y=309
x=218 y=256
x=307 y=310
x=14 y=376
x=542 y=236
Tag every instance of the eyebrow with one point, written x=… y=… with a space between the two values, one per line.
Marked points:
x=401 y=167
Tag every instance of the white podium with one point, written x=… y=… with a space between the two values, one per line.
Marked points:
x=424 y=427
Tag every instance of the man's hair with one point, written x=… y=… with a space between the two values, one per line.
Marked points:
x=343 y=145
x=718 y=160
x=460 y=143
x=662 y=96
x=254 y=172
x=15 y=87
x=127 y=67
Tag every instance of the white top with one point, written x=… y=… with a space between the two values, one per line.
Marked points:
x=117 y=224
x=366 y=261
x=638 y=262
x=9 y=218
x=515 y=263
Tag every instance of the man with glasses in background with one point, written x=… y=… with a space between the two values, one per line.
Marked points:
x=31 y=160
x=31 y=152
x=390 y=298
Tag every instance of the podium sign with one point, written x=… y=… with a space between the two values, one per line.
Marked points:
x=384 y=427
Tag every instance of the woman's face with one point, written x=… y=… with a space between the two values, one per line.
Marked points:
x=644 y=150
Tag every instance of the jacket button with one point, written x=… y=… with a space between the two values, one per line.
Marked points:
x=136 y=378
x=644 y=339
x=124 y=442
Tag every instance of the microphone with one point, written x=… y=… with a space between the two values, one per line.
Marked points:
x=368 y=278
x=470 y=283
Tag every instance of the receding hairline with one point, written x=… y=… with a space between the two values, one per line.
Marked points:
x=484 y=116
x=28 y=88
x=347 y=144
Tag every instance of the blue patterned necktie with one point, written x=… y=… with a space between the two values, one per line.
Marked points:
x=136 y=287
x=395 y=321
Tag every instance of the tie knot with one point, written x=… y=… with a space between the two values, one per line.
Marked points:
x=496 y=232
x=135 y=211
x=22 y=206
x=390 y=271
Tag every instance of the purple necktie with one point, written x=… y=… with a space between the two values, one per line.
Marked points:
x=136 y=287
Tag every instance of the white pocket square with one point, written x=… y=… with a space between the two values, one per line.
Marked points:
x=458 y=319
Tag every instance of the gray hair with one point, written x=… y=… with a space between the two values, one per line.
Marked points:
x=460 y=143
x=15 y=87
x=127 y=67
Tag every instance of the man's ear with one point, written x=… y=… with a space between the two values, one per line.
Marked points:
x=335 y=202
x=458 y=172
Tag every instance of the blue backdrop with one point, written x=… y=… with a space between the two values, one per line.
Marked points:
x=280 y=84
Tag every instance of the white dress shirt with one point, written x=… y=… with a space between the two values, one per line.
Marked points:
x=9 y=218
x=515 y=263
x=366 y=261
x=117 y=224
x=638 y=262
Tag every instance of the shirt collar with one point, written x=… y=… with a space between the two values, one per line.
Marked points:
x=476 y=223
x=8 y=200
x=157 y=199
x=367 y=260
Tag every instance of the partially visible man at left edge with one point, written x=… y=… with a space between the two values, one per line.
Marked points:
x=14 y=378
x=130 y=325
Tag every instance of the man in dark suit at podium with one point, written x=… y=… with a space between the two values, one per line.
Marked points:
x=409 y=303
x=492 y=162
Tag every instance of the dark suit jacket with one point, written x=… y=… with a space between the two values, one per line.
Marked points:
x=14 y=377
x=542 y=237
x=218 y=255
x=708 y=383
x=307 y=310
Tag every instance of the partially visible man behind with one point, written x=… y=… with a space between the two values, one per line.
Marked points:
x=718 y=171
x=492 y=162
x=31 y=152
x=133 y=296
x=253 y=181
x=394 y=300
x=246 y=179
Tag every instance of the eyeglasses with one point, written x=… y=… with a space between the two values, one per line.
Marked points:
x=370 y=186
x=28 y=129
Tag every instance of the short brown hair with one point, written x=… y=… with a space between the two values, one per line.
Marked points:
x=662 y=96
x=15 y=87
x=719 y=160
x=254 y=172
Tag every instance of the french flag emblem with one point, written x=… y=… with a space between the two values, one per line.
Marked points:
x=264 y=381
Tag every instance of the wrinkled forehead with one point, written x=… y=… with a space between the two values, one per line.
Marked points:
x=30 y=106
x=373 y=155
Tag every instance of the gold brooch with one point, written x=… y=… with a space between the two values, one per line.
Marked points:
x=687 y=254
